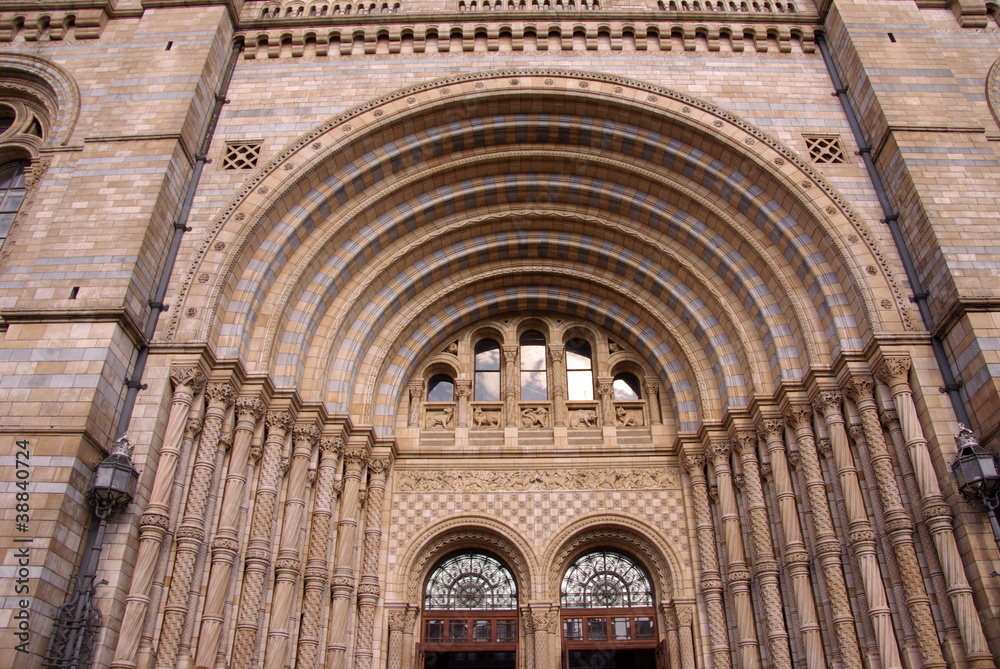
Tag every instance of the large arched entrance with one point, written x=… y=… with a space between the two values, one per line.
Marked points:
x=608 y=619
x=470 y=614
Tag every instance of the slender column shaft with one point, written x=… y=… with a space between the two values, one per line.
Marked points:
x=739 y=576
x=606 y=394
x=226 y=545
x=317 y=565
x=897 y=523
x=685 y=637
x=368 y=588
x=257 y=563
x=343 y=576
x=463 y=393
x=558 y=355
x=416 y=395
x=289 y=563
x=652 y=385
x=765 y=563
x=192 y=531
x=397 y=621
x=513 y=416
x=795 y=553
x=894 y=371
x=155 y=522
x=673 y=640
x=861 y=535
x=799 y=418
x=711 y=579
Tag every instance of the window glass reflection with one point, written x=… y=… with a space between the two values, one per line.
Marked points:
x=534 y=386
x=579 y=369
x=487 y=371
x=441 y=388
x=627 y=387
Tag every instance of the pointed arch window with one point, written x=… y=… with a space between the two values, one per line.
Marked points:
x=534 y=384
x=579 y=369
x=487 y=370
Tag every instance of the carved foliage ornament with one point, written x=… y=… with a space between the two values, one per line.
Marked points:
x=580 y=479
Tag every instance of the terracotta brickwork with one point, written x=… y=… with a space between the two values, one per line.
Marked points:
x=358 y=213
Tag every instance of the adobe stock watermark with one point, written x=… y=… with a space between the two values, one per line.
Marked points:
x=21 y=623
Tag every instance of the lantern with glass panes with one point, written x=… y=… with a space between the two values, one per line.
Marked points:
x=978 y=475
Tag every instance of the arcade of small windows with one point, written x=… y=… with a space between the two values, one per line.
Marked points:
x=534 y=384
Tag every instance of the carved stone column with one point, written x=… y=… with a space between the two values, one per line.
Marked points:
x=257 y=563
x=526 y=629
x=317 y=565
x=226 y=545
x=711 y=579
x=606 y=395
x=289 y=562
x=558 y=355
x=685 y=620
x=463 y=393
x=397 y=622
x=861 y=535
x=355 y=459
x=799 y=418
x=510 y=386
x=894 y=371
x=739 y=577
x=652 y=387
x=772 y=431
x=765 y=563
x=544 y=622
x=416 y=395
x=898 y=524
x=192 y=531
x=409 y=647
x=368 y=589
x=673 y=641
x=154 y=523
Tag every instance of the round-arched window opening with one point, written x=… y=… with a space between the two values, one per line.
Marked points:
x=487 y=371
x=470 y=581
x=12 y=191
x=441 y=388
x=627 y=387
x=7 y=117
x=605 y=579
x=579 y=369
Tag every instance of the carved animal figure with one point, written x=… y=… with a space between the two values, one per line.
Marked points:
x=583 y=418
x=482 y=418
x=625 y=418
x=440 y=419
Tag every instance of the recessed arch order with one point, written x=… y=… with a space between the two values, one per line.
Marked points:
x=726 y=263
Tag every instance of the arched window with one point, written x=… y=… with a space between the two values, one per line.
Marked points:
x=579 y=369
x=12 y=191
x=627 y=387
x=441 y=388
x=470 y=613
x=608 y=618
x=487 y=371
x=534 y=385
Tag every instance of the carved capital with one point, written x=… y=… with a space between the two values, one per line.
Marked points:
x=278 y=421
x=799 y=415
x=190 y=377
x=397 y=620
x=249 y=408
x=794 y=459
x=192 y=427
x=857 y=432
x=557 y=353
x=890 y=418
x=226 y=441
x=745 y=442
x=825 y=447
x=331 y=445
x=695 y=464
x=463 y=388
x=765 y=471
x=416 y=391
x=861 y=387
x=894 y=371
x=771 y=429
x=684 y=616
x=305 y=432
x=220 y=395
x=355 y=456
x=605 y=389
x=718 y=450
x=378 y=466
x=256 y=450
x=828 y=403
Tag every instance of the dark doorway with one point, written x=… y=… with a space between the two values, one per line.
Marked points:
x=637 y=658
x=476 y=660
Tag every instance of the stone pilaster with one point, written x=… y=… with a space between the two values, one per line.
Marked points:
x=463 y=394
x=711 y=578
x=193 y=529
x=557 y=352
x=651 y=385
x=894 y=372
x=861 y=536
x=799 y=418
x=154 y=523
x=369 y=589
x=257 y=562
x=606 y=396
x=397 y=623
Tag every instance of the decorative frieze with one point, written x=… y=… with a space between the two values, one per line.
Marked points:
x=519 y=480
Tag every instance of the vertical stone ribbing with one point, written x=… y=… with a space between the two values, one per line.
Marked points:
x=317 y=565
x=765 y=563
x=898 y=524
x=512 y=415
x=368 y=588
x=861 y=536
x=257 y=563
x=711 y=579
x=154 y=523
x=718 y=451
x=894 y=371
x=192 y=531
x=225 y=546
x=289 y=562
x=772 y=431
x=343 y=575
x=799 y=418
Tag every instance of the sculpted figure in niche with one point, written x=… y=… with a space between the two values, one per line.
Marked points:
x=583 y=418
x=482 y=418
x=440 y=419
x=626 y=418
x=534 y=417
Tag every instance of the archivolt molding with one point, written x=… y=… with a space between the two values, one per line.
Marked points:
x=645 y=97
x=458 y=533
x=50 y=84
x=623 y=532
x=993 y=90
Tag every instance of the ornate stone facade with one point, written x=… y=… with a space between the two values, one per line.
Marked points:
x=376 y=285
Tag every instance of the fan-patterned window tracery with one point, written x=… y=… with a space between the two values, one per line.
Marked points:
x=605 y=579
x=470 y=581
